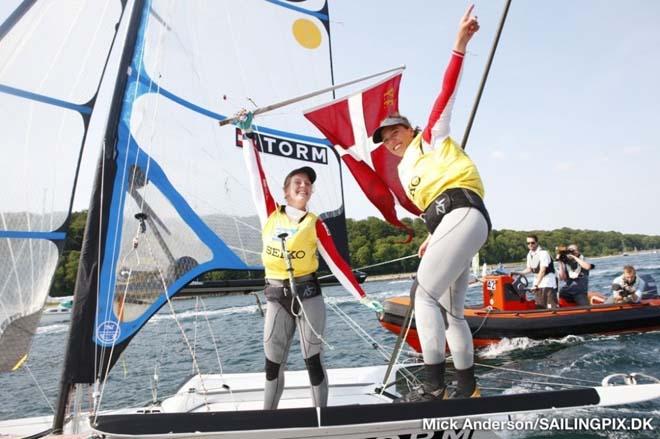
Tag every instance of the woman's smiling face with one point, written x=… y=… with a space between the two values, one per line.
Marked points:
x=299 y=191
x=397 y=138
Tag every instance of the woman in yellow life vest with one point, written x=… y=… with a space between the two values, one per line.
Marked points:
x=443 y=182
x=305 y=236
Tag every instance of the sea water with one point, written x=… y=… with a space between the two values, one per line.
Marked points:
x=225 y=334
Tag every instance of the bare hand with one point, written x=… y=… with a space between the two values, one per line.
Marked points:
x=468 y=26
x=243 y=120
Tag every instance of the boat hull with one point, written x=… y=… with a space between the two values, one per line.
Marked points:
x=380 y=420
x=229 y=406
x=491 y=326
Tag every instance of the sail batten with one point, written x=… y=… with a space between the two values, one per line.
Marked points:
x=51 y=236
x=83 y=109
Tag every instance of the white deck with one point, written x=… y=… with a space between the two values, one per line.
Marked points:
x=234 y=392
x=244 y=391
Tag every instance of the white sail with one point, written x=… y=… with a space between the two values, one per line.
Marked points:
x=474 y=266
x=52 y=56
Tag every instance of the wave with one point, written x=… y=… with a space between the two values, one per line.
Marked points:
x=190 y=314
x=54 y=328
x=507 y=345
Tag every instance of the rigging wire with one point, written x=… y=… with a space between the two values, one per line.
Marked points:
x=531 y=383
x=98 y=396
x=380 y=263
x=213 y=339
x=197 y=299
x=367 y=338
x=217 y=355
x=352 y=324
x=545 y=375
x=41 y=390
x=157 y=365
x=180 y=326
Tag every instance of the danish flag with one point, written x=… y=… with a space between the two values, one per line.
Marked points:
x=349 y=124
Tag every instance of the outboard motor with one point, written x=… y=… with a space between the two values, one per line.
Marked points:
x=651 y=289
x=502 y=292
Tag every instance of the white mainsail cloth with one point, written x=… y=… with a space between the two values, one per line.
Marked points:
x=52 y=56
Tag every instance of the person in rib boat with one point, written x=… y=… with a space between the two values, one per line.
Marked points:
x=444 y=183
x=306 y=235
x=627 y=288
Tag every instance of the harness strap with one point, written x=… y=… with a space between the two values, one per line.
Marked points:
x=277 y=290
x=285 y=282
x=449 y=200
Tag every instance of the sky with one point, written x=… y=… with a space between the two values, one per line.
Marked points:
x=566 y=132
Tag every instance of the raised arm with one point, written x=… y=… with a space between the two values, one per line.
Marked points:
x=263 y=199
x=437 y=127
x=468 y=26
x=584 y=264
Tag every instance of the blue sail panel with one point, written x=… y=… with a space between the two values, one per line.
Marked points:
x=181 y=203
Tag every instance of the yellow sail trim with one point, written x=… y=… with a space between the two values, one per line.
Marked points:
x=20 y=363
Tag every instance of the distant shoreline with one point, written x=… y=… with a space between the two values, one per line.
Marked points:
x=394 y=276
x=509 y=266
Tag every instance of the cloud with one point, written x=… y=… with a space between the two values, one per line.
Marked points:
x=497 y=154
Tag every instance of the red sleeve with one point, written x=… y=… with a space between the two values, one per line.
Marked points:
x=263 y=199
x=438 y=123
x=337 y=264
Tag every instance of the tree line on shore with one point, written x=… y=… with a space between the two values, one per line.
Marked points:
x=373 y=241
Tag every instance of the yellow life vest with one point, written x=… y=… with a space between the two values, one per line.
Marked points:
x=301 y=244
x=426 y=175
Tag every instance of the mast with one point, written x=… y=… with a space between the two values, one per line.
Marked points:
x=468 y=128
x=78 y=366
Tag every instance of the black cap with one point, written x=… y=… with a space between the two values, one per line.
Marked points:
x=390 y=121
x=309 y=172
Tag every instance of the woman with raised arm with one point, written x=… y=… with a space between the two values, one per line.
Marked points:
x=304 y=236
x=444 y=183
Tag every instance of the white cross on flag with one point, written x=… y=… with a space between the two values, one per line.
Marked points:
x=349 y=124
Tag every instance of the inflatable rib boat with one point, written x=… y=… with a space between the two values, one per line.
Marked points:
x=506 y=312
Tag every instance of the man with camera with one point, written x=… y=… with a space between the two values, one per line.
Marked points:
x=540 y=263
x=627 y=288
x=574 y=271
